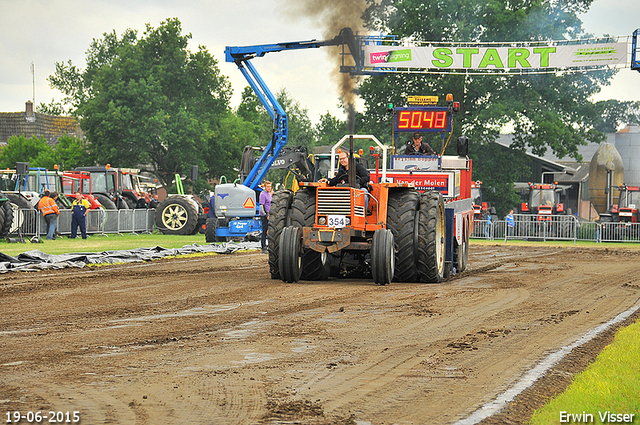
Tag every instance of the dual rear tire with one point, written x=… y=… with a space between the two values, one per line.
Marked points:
x=418 y=225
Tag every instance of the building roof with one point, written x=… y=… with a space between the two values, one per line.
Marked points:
x=587 y=151
x=29 y=124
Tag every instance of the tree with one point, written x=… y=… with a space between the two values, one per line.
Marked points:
x=329 y=130
x=300 y=127
x=68 y=153
x=34 y=150
x=550 y=111
x=614 y=114
x=149 y=101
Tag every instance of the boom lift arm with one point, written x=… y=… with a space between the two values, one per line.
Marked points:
x=242 y=57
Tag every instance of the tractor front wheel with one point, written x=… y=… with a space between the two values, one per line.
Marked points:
x=315 y=265
x=382 y=257
x=278 y=220
x=290 y=259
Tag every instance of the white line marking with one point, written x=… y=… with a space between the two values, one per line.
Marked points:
x=534 y=374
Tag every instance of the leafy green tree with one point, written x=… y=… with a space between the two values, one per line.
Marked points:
x=70 y=152
x=300 y=127
x=497 y=164
x=67 y=154
x=150 y=100
x=53 y=108
x=550 y=111
x=34 y=150
x=614 y=114
x=329 y=130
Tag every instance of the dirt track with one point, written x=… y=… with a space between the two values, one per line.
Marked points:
x=215 y=340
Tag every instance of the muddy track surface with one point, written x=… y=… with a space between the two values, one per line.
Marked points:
x=215 y=340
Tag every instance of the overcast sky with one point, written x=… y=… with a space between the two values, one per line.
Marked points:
x=45 y=32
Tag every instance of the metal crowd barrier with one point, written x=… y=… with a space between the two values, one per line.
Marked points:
x=99 y=222
x=558 y=227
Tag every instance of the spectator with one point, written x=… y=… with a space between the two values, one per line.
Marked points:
x=510 y=223
x=79 y=210
x=50 y=212
x=153 y=203
x=265 y=208
x=487 y=227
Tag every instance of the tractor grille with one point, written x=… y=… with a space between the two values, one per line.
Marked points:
x=334 y=202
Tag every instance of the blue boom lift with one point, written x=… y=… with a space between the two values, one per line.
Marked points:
x=235 y=208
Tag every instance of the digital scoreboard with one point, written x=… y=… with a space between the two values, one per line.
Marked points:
x=422 y=118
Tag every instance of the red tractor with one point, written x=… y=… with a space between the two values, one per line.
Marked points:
x=73 y=181
x=626 y=212
x=543 y=214
x=628 y=204
x=113 y=187
x=544 y=201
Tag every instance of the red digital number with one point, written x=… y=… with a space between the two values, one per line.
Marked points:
x=428 y=119
x=416 y=119
x=403 y=119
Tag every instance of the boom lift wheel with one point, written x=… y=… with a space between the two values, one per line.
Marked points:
x=290 y=261
x=6 y=219
x=210 y=231
x=382 y=257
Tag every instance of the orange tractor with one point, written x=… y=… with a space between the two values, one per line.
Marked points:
x=405 y=235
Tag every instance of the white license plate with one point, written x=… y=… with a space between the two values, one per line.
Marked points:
x=336 y=221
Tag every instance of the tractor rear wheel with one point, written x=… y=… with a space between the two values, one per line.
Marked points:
x=315 y=265
x=431 y=234
x=105 y=201
x=6 y=219
x=175 y=215
x=23 y=217
x=403 y=221
x=278 y=220
x=382 y=257
x=290 y=258
x=19 y=200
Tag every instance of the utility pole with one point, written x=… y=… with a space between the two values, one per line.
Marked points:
x=33 y=78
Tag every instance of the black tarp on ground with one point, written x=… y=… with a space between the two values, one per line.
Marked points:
x=37 y=260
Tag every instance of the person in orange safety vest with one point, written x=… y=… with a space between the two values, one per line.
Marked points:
x=50 y=212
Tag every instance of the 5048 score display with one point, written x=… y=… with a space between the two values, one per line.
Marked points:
x=423 y=120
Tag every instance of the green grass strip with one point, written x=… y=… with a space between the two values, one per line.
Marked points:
x=102 y=243
x=609 y=386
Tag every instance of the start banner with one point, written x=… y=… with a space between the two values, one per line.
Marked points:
x=488 y=58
